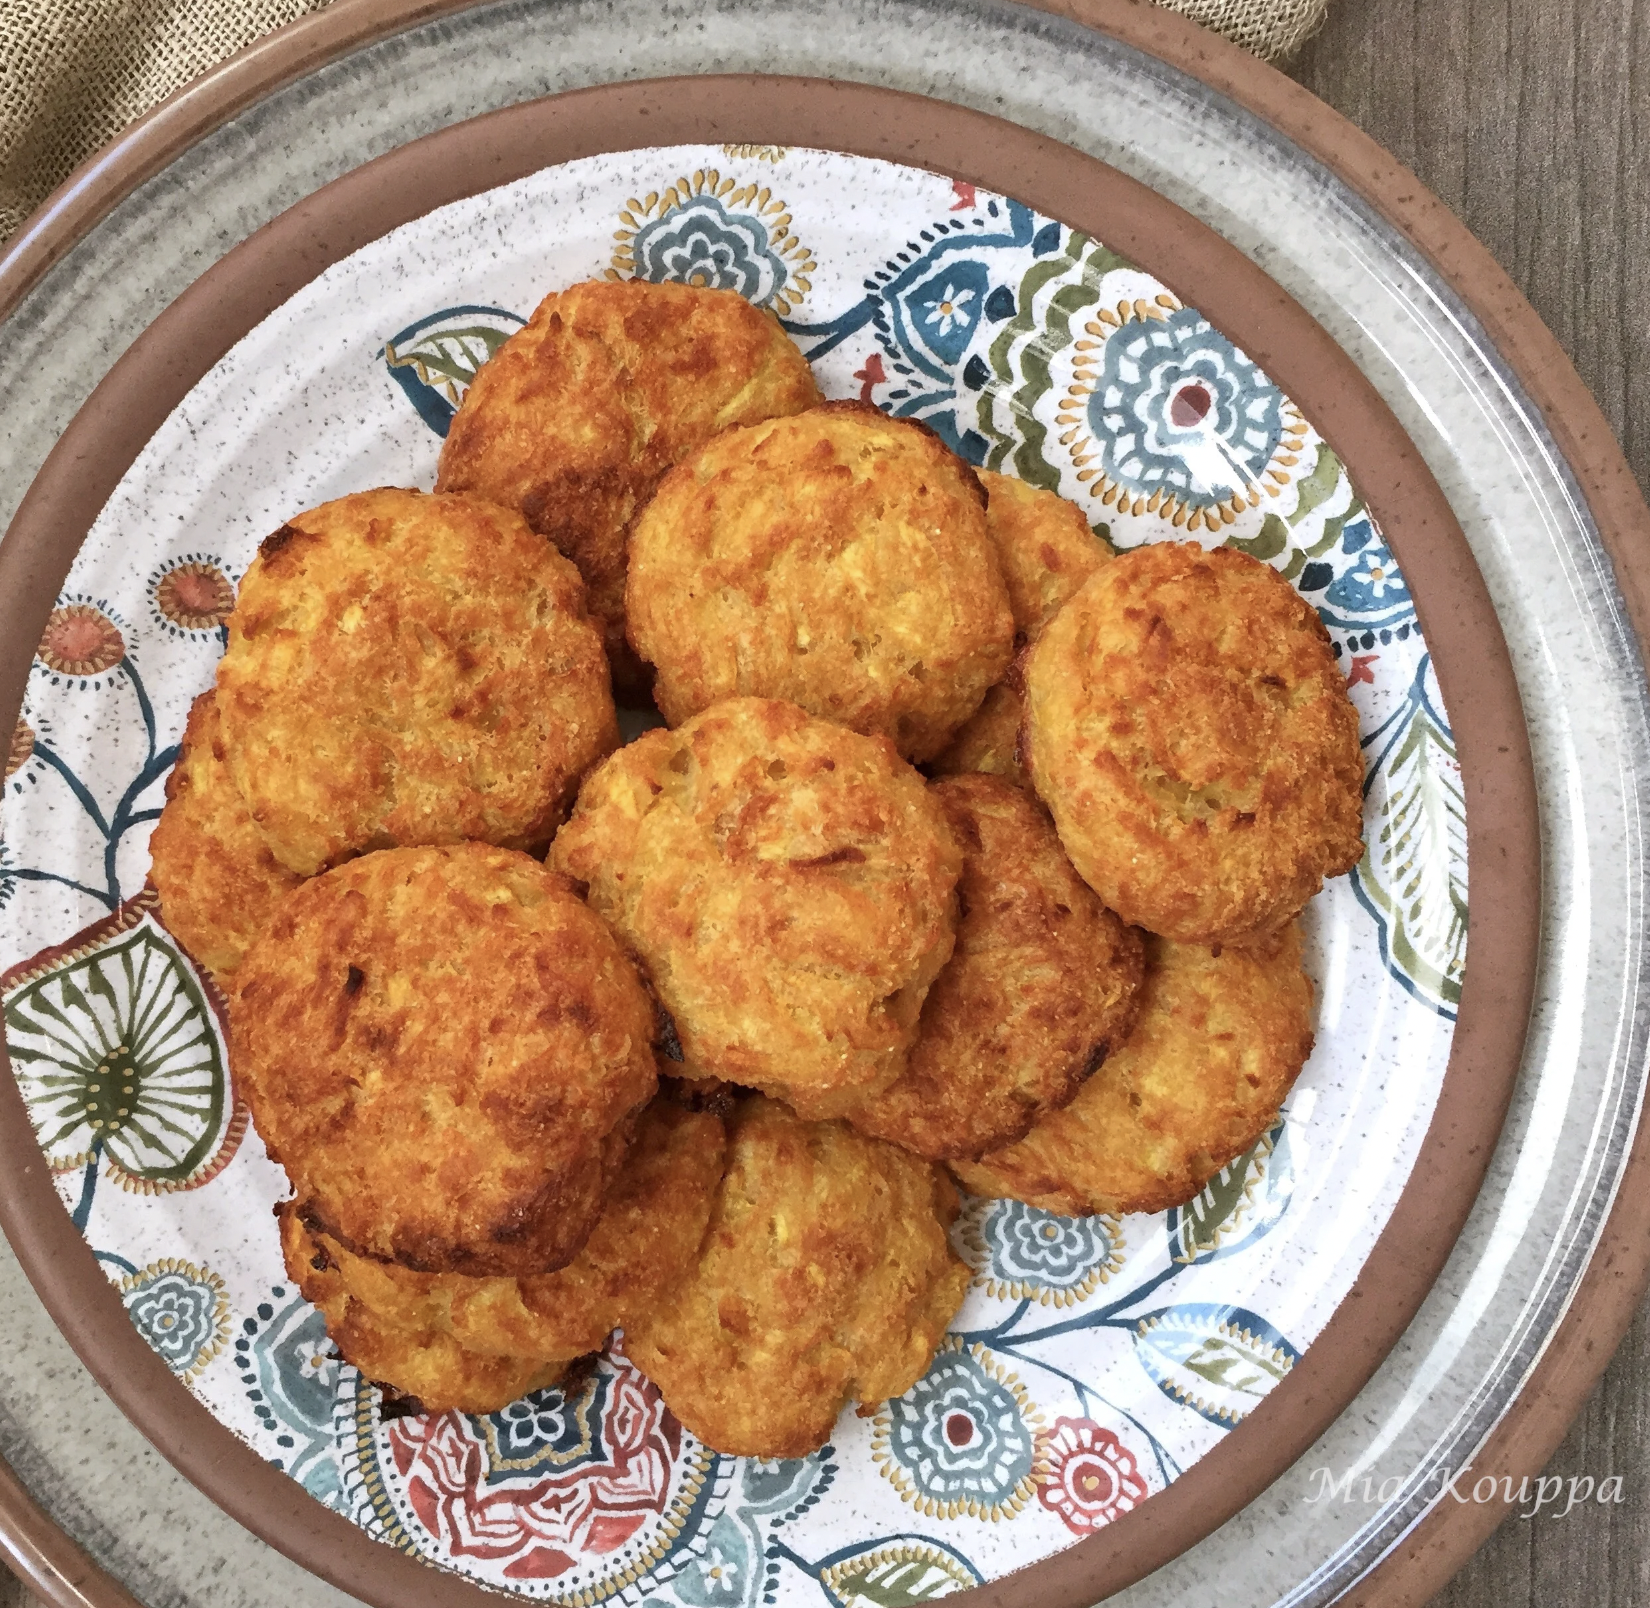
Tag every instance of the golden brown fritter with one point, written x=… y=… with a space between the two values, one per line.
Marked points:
x=407 y=669
x=218 y=882
x=788 y=886
x=1044 y=544
x=1042 y=984
x=826 y=1277
x=990 y=743
x=646 y=1239
x=1219 y=1041
x=445 y=1048
x=1192 y=735
x=1047 y=551
x=838 y=559
x=425 y=1364
x=577 y=416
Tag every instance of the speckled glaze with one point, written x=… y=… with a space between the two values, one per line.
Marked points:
x=1512 y=1270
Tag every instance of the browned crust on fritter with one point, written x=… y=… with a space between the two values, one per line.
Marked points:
x=1220 y=1039
x=1042 y=985
x=445 y=1048
x=577 y=415
x=425 y=1364
x=407 y=669
x=218 y=882
x=1045 y=546
x=1047 y=551
x=989 y=744
x=838 y=559
x=646 y=1240
x=826 y=1277
x=788 y=887
x=1189 y=728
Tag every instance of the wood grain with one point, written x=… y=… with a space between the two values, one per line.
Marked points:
x=1531 y=119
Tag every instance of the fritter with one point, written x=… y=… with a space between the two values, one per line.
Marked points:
x=989 y=744
x=407 y=669
x=1044 y=544
x=647 y=1237
x=826 y=1277
x=838 y=559
x=446 y=1049
x=1042 y=985
x=1221 y=1037
x=788 y=886
x=425 y=1364
x=576 y=416
x=1047 y=551
x=1189 y=729
x=218 y=882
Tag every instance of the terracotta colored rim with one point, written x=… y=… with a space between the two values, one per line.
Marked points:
x=1582 y=1342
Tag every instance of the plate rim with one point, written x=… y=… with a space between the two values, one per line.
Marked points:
x=1237 y=295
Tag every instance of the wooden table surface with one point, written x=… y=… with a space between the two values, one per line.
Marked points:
x=1531 y=119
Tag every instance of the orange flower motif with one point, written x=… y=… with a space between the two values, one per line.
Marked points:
x=80 y=640
x=1092 y=1478
x=195 y=596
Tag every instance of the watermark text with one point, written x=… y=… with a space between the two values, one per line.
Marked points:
x=1530 y=1495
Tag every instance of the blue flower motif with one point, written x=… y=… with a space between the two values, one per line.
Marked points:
x=727 y=1574
x=963 y=1439
x=182 y=1312
x=945 y=309
x=293 y=1377
x=1372 y=584
x=1370 y=592
x=701 y=242
x=1020 y=1252
x=549 y=1429
x=1177 y=408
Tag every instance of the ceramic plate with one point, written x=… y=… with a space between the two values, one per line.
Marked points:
x=1095 y=1359
x=1187 y=1326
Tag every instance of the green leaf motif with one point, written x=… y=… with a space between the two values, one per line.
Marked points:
x=1023 y=349
x=897 y=1575
x=1273 y=538
x=447 y=360
x=1218 y=1360
x=1413 y=874
x=1319 y=486
x=1239 y=1204
x=116 y=1049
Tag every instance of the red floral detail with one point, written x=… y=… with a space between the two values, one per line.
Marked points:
x=871 y=375
x=195 y=596
x=1091 y=1476
x=1360 y=670
x=80 y=640
x=965 y=195
x=542 y=1524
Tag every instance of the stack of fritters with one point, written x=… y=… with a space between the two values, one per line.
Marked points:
x=450 y=1045
x=577 y=416
x=452 y=1340
x=402 y=669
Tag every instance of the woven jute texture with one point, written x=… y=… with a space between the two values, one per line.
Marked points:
x=75 y=73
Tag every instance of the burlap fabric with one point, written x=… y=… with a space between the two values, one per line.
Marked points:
x=74 y=73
